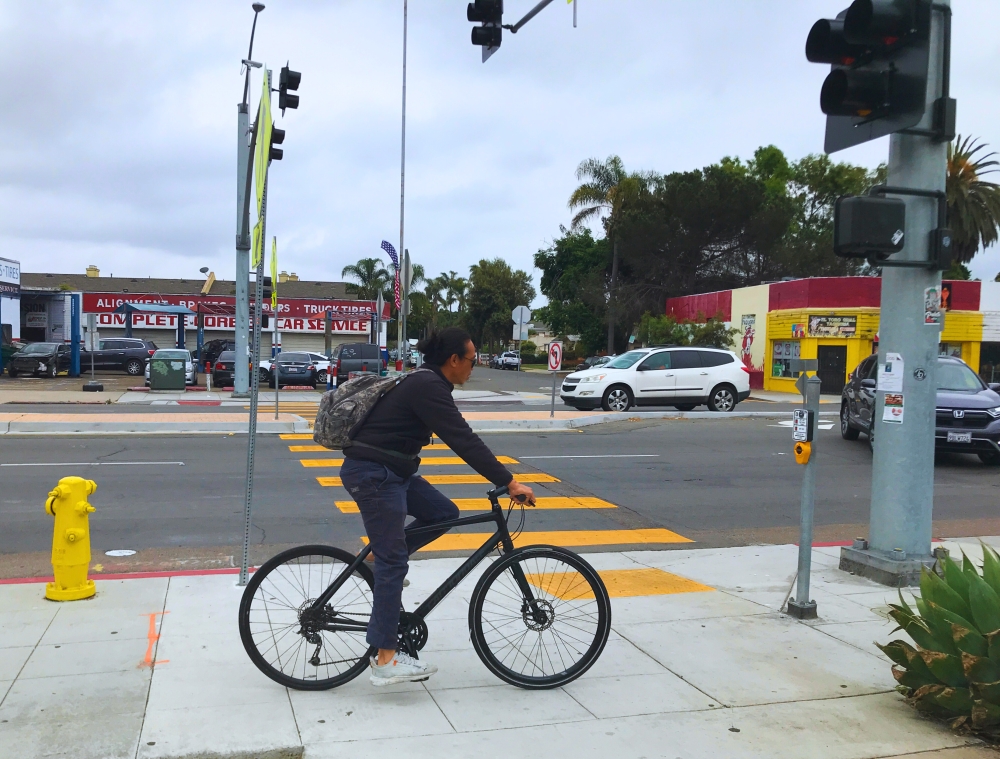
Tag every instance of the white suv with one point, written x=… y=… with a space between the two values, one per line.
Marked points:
x=678 y=377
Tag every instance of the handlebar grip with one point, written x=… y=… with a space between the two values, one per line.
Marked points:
x=497 y=492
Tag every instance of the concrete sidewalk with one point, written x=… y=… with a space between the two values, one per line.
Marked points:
x=154 y=667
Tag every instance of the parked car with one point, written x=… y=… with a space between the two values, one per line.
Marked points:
x=122 y=353
x=290 y=368
x=968 y=410
x=355 y=357
x=680 y=377
x=180 y=355
x=593 y=362
x=40 y=359
x=509 y=360
x=211 y=350
x=224 y=369
x=322 y=366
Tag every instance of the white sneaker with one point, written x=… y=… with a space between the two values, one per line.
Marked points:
x=402 y=669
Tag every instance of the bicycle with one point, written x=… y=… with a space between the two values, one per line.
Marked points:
x=539 y=616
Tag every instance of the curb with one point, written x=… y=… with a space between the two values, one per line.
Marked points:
x=513 y=425
x=105 y=428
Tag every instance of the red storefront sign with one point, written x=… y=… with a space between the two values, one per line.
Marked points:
x=294 y=314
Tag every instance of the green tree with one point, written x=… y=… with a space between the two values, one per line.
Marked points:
x=610 y=190
x=372 y=278
x=973 y=204
x=573 y=279
x=664 y=329
x=494 y=291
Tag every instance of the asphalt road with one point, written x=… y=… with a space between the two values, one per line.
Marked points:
x=179 y=500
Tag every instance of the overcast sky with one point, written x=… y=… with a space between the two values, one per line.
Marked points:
x=118 y=125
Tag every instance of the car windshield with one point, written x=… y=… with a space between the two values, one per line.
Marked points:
x=625 y=360
x=955 y=376
x=227 y=356
x=293 y=358
x=39 y=348
x=168 y=353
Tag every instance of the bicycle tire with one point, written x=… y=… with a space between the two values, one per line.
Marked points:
x=289 y=595
x=561 y=582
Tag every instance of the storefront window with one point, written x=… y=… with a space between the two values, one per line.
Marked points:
x=781 y=363
x=950 y=349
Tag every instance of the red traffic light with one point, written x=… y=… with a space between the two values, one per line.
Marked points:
x=880 y=22
x=826 y=43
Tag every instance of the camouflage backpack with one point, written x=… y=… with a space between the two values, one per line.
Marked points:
x=342 y=411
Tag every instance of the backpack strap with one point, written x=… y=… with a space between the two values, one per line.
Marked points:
x=386 y=451
x=360 y=424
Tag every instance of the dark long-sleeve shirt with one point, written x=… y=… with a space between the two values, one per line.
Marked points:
x=405 y=418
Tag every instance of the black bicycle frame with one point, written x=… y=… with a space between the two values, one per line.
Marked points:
x=500 y=537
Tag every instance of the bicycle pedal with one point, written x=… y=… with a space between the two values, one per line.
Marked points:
x=422 y=679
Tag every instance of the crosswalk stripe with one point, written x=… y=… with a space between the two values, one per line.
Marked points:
x=431 y=461
x=466 y=541
x=297 y=436
x=452 y=479
x=482 y=504
x=620 y=583
x=319 y=448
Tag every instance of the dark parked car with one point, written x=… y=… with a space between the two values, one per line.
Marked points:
x=355 y=357
x=122 y=353
x=41 y=359
x=294 y=369
x=223 y=369
x=968 y=410
x=211 y=350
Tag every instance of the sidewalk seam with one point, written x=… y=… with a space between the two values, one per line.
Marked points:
x=152 y=672
x=28 y=658
x=431 y=694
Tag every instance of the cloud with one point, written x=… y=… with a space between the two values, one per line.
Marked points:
x=117 y=142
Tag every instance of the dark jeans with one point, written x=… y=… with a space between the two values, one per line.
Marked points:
x=385 y=500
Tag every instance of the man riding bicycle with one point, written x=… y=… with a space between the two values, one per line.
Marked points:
x=379 y=472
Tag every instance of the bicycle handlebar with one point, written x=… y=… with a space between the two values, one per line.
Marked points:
x=497 y=492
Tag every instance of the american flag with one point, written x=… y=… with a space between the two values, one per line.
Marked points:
x=387 y=247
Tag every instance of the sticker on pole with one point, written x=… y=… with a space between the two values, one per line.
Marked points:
x=892 y=410
x=555 y=356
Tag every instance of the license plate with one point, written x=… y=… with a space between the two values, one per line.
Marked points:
x=959 y=437
x=293 y=369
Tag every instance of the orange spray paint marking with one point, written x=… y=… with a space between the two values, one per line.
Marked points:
x=151 y=637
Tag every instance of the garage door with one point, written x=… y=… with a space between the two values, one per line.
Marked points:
x=302 y=341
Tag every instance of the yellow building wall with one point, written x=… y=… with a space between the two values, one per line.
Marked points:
x=966 y=328
x=752 y=302
x=781 y=328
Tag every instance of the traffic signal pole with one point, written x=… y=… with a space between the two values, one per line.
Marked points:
x=899 y=541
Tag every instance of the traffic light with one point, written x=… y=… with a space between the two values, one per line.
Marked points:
x=489 y=15
x=288 y=81
x=879 y=51
x=277 y=137
x=266 y=291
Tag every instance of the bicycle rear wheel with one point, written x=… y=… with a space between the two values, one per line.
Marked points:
x=540 y=617
x=295 y=645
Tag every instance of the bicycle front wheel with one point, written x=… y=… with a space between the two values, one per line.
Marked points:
x=292 y=642
x=540 y=617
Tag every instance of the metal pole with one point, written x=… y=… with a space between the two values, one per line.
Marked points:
x=240 y=378
x=254 y=389
x=903 y=465
x=552 y=411
x=407 y=276
x=402 y=192
x=802 y=607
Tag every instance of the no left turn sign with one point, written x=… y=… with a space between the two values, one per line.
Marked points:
x=555 y=356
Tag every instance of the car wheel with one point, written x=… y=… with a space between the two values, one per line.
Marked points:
x=617 y=398
x=722 y=398
x=52 y=371
x=684 y=406
x=12 y=372
x=990 y=458
x=846 y=430
x=321 y=378
x=871 y=437
x=134 y=367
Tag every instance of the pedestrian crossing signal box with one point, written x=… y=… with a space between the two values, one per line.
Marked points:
x=803 y=423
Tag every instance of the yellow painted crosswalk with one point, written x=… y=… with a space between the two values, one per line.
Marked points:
x=620 y=583
x=470 y=541
x=453 y=479
x=431 y=461
x=483 y=504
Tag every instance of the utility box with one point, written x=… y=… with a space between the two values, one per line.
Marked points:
x=868 y=226
x=166 y=373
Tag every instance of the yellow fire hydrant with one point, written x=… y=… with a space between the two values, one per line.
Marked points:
x=71 y=539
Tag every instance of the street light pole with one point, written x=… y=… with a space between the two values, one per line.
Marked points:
x=241 y=373
x=402 y=197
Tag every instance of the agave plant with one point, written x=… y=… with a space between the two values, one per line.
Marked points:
x=954 y=671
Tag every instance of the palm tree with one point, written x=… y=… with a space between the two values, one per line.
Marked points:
x=372 y=278
x=610 y=190
x=456 y=290
x=973 y=205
